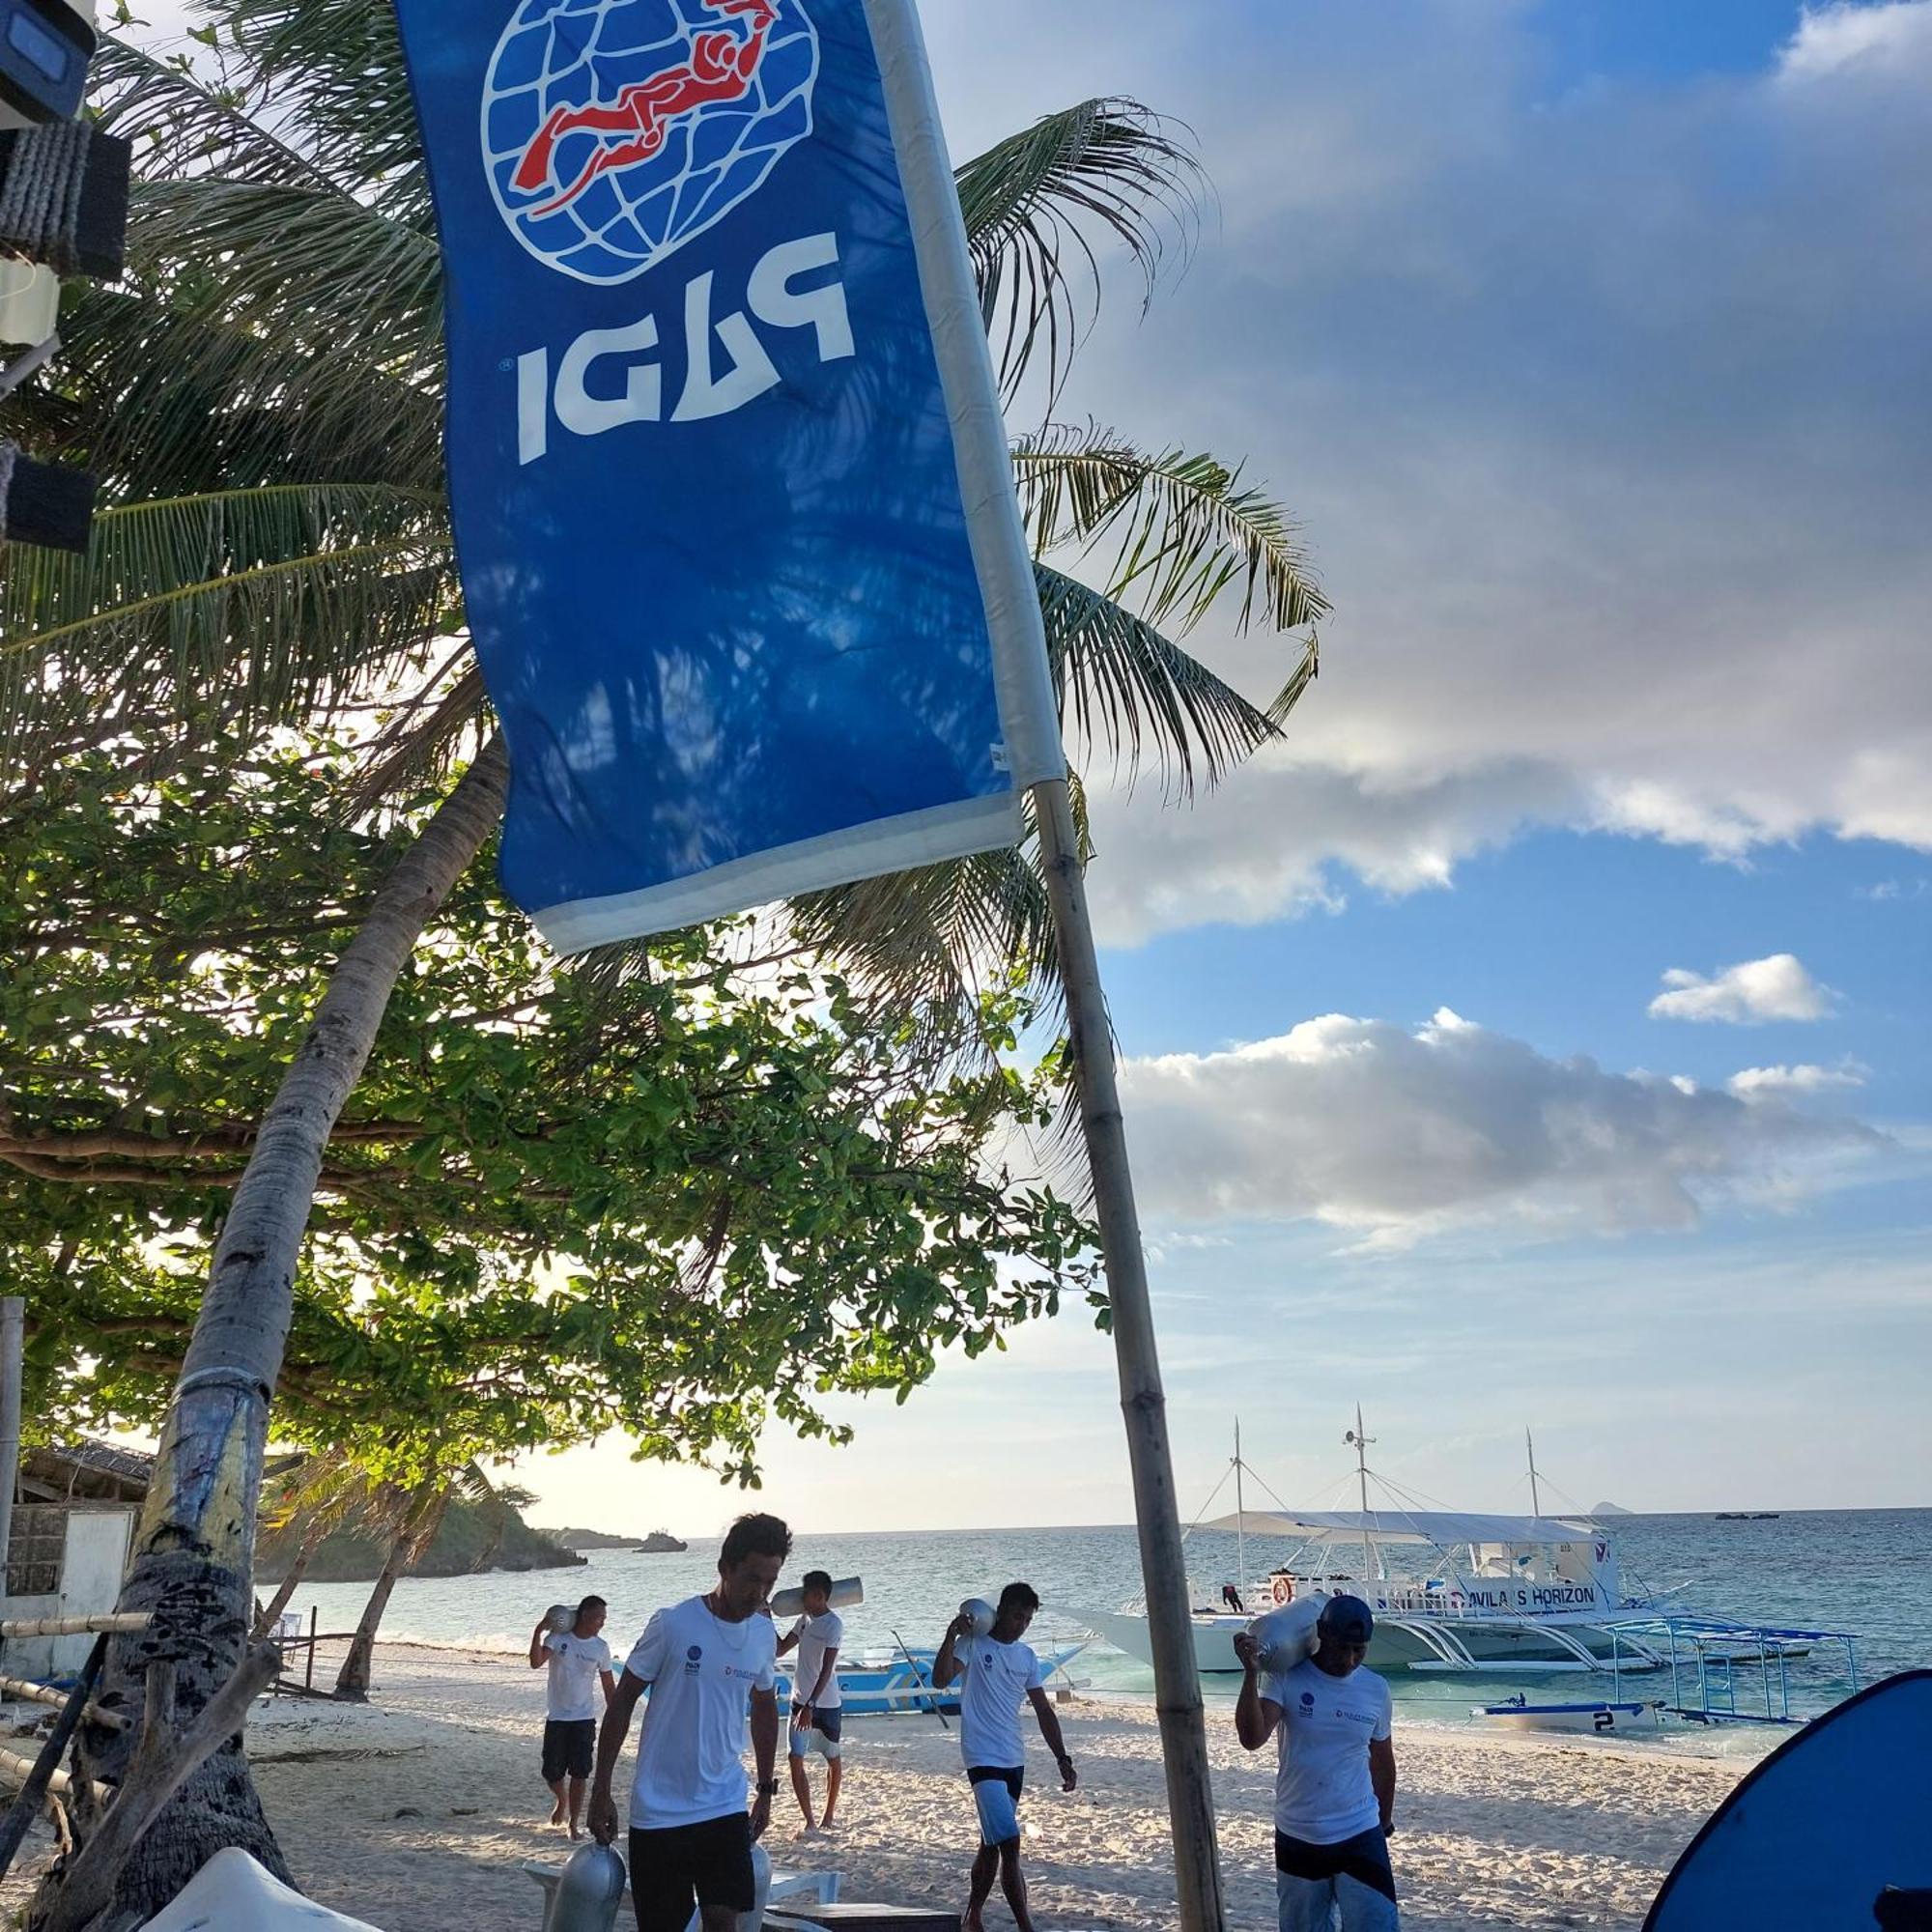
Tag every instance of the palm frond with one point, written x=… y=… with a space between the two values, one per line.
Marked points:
x=1124 y=687
x=1183 y=530
x=255 y=603
x=334 y=70
x=303 y=265
x=423 y=738
x=173 y=403
x=181 y=125
x=1035 y=204
x=932 y=935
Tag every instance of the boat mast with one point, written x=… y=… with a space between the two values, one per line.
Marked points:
x=1361 y=1445
x=1240 y=1513
x=1529 y=1444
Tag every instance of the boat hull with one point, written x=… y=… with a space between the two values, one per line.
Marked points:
x=1600 y=1720
x=888 y=1684
x=1469 y=1645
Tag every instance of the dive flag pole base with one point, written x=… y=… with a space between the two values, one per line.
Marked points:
x=1183 y=1729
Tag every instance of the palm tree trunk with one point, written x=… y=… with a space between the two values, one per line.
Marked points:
x=312 y=1535
x=413 y=1536
x=193 y=1549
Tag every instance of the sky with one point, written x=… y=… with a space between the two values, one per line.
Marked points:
x=1539 y=1035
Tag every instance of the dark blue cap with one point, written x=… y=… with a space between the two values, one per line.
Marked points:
x=1346 y=1619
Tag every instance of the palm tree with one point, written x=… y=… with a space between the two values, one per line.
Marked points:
x=264 y=400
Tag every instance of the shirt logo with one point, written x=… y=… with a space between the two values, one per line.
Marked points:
x=1307 y=1701
x=693 y=1657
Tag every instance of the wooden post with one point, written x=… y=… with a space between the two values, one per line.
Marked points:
x=1184 y=1731
x=12 y=1335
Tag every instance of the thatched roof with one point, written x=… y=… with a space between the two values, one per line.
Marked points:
x=84 y=1471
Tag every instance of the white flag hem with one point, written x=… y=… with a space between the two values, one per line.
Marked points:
x=867 y=851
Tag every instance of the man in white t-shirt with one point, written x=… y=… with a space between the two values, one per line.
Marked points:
x=578 y=1662
x=817 y=1706
x=1000 y=1673
x=1334 y=1793
x=705 y=1661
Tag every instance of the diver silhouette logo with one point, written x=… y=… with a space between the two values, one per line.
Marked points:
x=614 y=131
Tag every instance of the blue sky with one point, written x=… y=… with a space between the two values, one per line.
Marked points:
x=1588 y=342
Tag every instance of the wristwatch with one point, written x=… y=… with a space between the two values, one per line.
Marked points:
x=768 y=1787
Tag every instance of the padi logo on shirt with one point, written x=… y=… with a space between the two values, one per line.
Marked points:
x=693 y=1657
x=1307 y=1701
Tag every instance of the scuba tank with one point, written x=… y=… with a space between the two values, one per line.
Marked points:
x=586 y=1898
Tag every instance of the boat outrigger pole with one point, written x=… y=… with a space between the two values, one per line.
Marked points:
x=1529 y=1444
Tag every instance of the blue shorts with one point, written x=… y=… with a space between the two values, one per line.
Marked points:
x=1315 y=1884
x=821 y=1734
x=996 y=1791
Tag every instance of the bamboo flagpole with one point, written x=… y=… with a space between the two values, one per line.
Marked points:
x=1030 y=707
x=1183 y=1730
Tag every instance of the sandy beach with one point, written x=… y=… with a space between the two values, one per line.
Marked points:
x=414 y=1811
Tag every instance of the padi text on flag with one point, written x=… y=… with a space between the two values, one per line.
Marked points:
x=741 y=575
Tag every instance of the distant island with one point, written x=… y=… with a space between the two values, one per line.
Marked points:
x=471 y=1538
x=1611 y=1509
x=593 y=1539
x=661 y=1543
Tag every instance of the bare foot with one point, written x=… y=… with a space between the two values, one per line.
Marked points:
x=574 y=1832
x=557 y=1817
x=971 y=1921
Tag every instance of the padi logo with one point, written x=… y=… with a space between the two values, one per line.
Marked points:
x=693 y=1658
x=614 y=131
x=1307 y=1701
x=608 y=378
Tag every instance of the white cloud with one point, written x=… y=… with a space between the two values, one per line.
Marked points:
x=1773 y=988
x=1618 y=494
x=1755 y=1081
x=1397 y=1134
x=1892 y=37
x=1269 y=840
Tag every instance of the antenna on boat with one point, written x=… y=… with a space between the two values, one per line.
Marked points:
x=1529 y=1444
x=1360 y=1442
x=1241 y=1515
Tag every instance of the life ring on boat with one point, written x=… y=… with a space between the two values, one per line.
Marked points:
x=1282 y=1590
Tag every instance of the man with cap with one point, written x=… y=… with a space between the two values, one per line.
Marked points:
x=1334 y=1794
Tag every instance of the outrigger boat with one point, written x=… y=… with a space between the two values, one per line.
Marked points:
x=878 y=1682
x=1486 y=1596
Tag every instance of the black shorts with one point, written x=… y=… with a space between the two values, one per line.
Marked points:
x=677 y=1869
x=570 y=1746
x=1364 y=1858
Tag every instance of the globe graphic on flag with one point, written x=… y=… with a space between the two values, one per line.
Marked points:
x=614 y=131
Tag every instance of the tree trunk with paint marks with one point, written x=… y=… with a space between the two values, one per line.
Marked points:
x=191 y=1564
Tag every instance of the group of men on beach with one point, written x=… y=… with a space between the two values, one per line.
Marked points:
x=710 y=1665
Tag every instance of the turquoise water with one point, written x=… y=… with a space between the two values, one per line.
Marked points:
x=1864 y=1571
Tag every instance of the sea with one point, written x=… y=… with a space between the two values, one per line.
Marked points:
x=1864 y=1572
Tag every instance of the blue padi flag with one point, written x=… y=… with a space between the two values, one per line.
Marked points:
x=740 y=550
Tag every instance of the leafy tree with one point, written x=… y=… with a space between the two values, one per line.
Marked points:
x=265 y=401
x=674 y=1202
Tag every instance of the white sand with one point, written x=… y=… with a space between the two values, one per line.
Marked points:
x=414 y=1812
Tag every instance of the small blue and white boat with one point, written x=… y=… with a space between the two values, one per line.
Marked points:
x=1601 y=1718
x=884 y=1683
